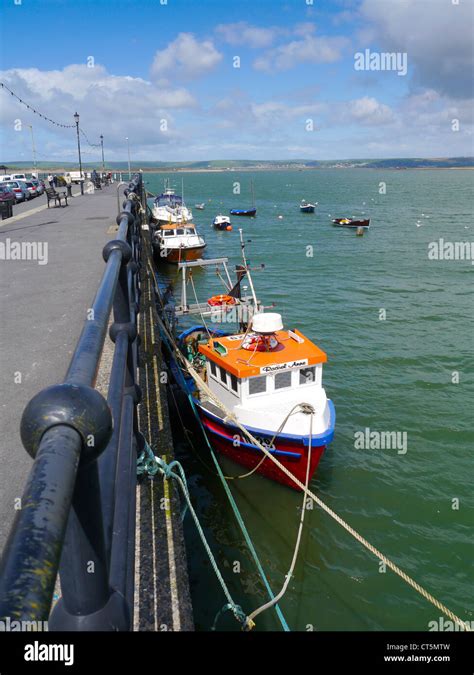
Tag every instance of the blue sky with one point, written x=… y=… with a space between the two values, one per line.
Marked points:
x=164 y=75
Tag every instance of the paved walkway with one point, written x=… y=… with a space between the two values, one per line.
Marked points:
x=43 y=307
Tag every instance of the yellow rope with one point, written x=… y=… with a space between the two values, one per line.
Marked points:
x=411 y=582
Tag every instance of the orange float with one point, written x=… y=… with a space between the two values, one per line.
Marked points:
x=219 y=300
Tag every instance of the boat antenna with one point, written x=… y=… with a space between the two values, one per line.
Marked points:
x=242 y=246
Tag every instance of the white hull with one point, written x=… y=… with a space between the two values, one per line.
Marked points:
x=176 y=216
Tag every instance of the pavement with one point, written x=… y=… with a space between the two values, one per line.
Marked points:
x=43 y=308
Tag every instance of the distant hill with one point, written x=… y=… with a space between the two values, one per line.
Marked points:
x=257 y=164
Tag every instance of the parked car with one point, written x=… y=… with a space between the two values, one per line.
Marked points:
x=20 y=190
x=5 y=179
x=39 y=186
x=19 y=176
x=7 y=194
x=31 y=188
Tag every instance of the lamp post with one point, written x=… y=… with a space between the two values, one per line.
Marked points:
x=129 y=169
x=102 y=146
x=81 y=180
x=34 y=151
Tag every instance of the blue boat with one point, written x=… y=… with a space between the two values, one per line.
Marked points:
x=243 y=212
x=246 y=212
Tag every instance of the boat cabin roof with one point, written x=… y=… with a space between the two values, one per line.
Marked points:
x=176 y=226
x=294 y=350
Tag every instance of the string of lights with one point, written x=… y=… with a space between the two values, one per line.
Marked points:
x=37 y=112
x=93 y=145
x=48 y=119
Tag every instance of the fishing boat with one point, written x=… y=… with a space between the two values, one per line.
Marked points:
x=246 y=212
x=307 y=207
x=169 y=207
x=350 y=222
x=268 y=377
x=175 y=244
x=221 y=222
x=200 y=207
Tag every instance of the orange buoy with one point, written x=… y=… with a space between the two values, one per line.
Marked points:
x=219 y=300
x=228 y=228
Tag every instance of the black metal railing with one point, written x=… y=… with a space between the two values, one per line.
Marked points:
x=78 y=507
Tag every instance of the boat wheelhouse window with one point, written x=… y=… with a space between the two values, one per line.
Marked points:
x=234 y=382
x=307 y=375
x=213 y=368
x=180 y=231
x=257 y=385
x=283 y=380
x=223 y=376
x=168 y=233
x=189 y=230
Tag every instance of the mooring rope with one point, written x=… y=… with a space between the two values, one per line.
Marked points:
x=153 y=465
x=308 y=409
x=240 y=521
x=397 y=570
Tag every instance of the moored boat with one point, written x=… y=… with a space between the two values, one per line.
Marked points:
x=350 y=222
x=243 y=212
x=175 y=244
x=269 y=379
x=246 y=212
x=200 y=207
x=169 y=207
x=221 y=222
x=307 y=207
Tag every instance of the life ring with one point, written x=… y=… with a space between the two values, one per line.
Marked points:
x=219 y=300
x=260 y=343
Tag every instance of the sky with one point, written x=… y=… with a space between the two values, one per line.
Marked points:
x=188 y=80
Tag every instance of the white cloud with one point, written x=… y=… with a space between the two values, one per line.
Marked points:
x=185 y=58
x=437 y=36
x=242 y=33
x=310 y=49
x=113 y=105
x=369 y=111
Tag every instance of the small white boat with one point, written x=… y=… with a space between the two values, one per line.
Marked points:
x=178 y=244
x=221 y=222
x=170 y=208
x=307 y=207
x=200 y=207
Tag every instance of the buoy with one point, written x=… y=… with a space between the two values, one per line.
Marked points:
x=218 y=300
x=228 y=228
x=280 y=217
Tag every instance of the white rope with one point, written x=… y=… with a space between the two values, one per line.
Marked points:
x=278 y=597
x=397 y=570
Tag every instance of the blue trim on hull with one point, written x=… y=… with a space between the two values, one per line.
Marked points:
x=242 y=444
x=316 y=440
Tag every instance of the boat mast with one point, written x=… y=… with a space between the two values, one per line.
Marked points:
x=253 y=194
x=242 y=246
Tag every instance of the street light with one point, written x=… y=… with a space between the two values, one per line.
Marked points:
x=34 y=151
x=129 y=169
x=81 y=181
x=102 y=146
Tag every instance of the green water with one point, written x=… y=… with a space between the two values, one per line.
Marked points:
x=388 y=375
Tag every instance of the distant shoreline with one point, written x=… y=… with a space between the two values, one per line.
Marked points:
x=249 y=169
